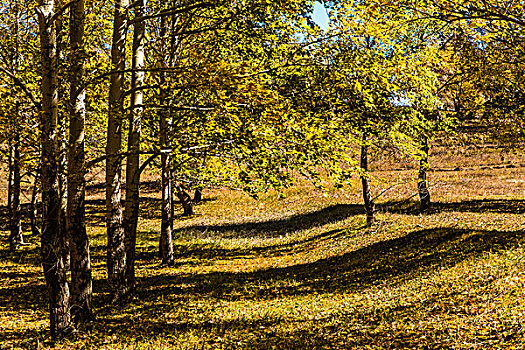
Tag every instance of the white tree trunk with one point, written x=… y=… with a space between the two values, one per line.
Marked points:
x=81 y=279
x=131 y=211
x=116 y=253
x=52 y=239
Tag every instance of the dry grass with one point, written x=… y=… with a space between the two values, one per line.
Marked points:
x=303 y=272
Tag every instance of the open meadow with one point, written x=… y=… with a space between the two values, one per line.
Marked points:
x=304 y=272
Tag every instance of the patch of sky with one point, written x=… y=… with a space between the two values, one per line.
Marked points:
x=320 y=15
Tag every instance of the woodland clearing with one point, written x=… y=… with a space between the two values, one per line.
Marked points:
x=303 y=272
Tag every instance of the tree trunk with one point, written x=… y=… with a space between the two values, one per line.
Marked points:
x=166 y=232
x=33 y=214
x=166 y=227
x=185 y=200
x=116 y=254
x=16 y=239
x=52 y=238
x=422 y=185
x=166 y=238
x=131 y=212
x=81 y=279
x=197 y=197
x=62 y=185
x=365 y=181
x=62 y=153
x=10 y=176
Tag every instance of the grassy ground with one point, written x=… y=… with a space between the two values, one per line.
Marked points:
x=304 y=273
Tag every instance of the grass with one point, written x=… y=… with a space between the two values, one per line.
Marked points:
x=303 y=272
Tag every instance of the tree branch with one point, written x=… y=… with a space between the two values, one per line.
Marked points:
x=61 y=10
x=171 y=12
x=24 y=88
x=147 y=162
x=159 y=152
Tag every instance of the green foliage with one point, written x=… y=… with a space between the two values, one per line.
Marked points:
x=375 y=72
x=484 y=41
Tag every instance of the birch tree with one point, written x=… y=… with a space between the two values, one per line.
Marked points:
x=52 y=239
x=116 y=252
x=131 y=212
x=16 y=239
x=167 y=51
x=81 y=280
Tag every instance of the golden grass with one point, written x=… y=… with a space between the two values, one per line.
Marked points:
x=302 y=272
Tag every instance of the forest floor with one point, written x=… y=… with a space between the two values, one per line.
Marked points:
x=304 y=273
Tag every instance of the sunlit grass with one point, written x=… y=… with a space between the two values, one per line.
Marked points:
x=303 y=272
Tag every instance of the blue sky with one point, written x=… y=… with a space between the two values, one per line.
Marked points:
x=320 y=17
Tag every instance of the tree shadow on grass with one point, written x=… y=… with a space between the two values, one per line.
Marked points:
x=282 y=227
x=205 y=251
x=261 y=332
x=512 y=206
x=26 y=255
x=149 y=208
x=384 y=262
x=388 y=262
x=263 y=229
x=29 y=296
x=278 y=227
x=254 y=333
